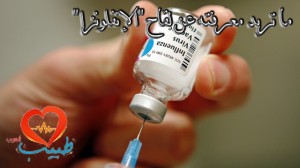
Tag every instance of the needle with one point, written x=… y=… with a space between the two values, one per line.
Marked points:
x=138 y=136
x=132 y=152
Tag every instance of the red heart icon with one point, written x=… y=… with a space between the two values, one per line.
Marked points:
x=31 y=135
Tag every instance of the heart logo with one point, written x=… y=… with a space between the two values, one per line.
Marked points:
x=60 y=128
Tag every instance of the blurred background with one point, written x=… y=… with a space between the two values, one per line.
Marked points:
x=265 y=132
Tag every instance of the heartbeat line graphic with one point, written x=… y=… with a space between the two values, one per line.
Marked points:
x=43 y=127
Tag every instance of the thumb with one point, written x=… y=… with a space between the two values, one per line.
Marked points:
x=98 y=69
x=136 y=37
x=130 y=46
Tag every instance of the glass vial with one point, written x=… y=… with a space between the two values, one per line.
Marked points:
x=166 y=67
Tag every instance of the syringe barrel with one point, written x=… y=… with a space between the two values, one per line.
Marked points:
x=132 y=153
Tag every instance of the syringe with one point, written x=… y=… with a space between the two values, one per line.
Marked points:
x=132 y=153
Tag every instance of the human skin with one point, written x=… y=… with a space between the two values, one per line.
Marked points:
x=94 y=84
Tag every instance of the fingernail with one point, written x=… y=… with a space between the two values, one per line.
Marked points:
x=219 y=72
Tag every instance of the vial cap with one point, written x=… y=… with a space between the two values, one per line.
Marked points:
x=148 y=108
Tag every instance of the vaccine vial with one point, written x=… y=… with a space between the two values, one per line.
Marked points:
x=166 y=67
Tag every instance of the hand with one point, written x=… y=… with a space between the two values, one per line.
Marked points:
x=94 y=86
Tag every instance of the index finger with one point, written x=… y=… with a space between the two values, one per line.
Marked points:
x=225 y=39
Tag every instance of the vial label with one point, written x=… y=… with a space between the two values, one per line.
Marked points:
x=177 y=51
